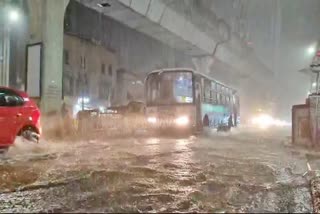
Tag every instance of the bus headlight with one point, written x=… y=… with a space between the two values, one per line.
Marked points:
x=152 y=119
x=182 y=121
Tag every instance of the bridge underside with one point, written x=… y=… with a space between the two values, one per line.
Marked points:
x=189 y=33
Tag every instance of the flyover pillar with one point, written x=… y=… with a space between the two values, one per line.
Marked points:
x=203 y=64
x=47 y=27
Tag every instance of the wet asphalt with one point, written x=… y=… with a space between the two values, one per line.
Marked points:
x=243 y=171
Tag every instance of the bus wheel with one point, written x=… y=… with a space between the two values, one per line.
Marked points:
x=206 y=121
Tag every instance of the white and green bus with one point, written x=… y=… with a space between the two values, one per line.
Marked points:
x=182 y=98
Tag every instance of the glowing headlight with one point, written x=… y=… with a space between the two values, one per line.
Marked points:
x=182 y=121
x=263 y=121
x=152 y=119
x=101 y=109
x=84 y=100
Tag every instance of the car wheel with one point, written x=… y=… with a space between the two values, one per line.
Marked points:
x=30 y=135
x=3 y=150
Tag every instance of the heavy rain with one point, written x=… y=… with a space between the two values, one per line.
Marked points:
x=159 y=106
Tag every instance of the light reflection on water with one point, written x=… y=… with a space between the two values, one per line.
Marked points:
x=153 y=141
x=184 y=158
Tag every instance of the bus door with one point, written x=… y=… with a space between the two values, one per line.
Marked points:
x=198 y=104
x=235 y=108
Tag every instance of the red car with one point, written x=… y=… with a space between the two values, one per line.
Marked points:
x=19 y=116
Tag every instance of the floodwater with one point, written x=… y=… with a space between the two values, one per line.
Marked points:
x=242 y=171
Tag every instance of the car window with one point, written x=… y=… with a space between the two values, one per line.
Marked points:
x=10 y=99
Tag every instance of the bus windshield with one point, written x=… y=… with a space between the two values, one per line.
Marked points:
x=167 y=88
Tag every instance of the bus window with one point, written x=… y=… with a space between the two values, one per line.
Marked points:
x=220 y=98
x=213 y=92
x=228 y=100
x=169 y=88
x=233 y=100
x=223 y=90
x=213 y=96
x=152 y=84
x=207 y=88
x=182 y=87
x=218 y=88
x=213 y=86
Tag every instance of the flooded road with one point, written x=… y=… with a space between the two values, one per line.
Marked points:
x=242 y=171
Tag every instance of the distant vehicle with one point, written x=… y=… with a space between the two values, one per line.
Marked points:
x=125 y=118
x=185 y=99
x=133 y=107
x=19 y=116
x=132 y=116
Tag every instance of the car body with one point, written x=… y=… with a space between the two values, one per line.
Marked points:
x=19 y=115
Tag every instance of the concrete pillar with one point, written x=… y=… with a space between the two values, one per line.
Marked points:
x=47 y=26
x=4 y=44
x=52 y=55
x=4 y=57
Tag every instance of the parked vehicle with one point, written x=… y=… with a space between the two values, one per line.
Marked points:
x=19 y=116
x=133 y=107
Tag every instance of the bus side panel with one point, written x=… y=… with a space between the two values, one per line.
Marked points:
x=218 y=114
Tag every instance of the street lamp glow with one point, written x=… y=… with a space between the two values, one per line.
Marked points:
x=14 y=15
x=311 y=50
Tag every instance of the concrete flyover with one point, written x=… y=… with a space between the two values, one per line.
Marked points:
x=182 y=25
x=191 y=28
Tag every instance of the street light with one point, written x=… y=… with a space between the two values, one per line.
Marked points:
x=14 y=15
x=311 y=50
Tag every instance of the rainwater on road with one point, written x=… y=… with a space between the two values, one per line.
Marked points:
x=242 y=171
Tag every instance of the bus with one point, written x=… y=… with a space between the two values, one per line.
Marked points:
x=185 y=99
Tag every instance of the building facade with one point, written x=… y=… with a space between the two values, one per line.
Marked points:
x=89 y=71
x=92 y=72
